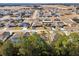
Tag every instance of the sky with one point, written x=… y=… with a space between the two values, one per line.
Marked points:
x=39 y=1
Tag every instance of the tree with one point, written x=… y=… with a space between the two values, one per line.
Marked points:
x=74 y=44
x=74 y=37
x=1 y=45
x=34 y=45
x=59 y=46
x=66 y=45
x=8 y=48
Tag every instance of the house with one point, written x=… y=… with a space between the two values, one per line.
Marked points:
x=2 y=24
x=16 y=37
x=57 y=19
x=26 y=34
x=76 y=19
x=1 y=35
x=47 y=21
x=60 y=24
x=53 y=25
x=12 y=25
x=24 y=24
x=5 y=35
x=37 y=24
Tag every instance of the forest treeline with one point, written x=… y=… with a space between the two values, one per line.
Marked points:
x=34 y=45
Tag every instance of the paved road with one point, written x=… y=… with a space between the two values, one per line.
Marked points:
x=35 y=14
x=21 y=30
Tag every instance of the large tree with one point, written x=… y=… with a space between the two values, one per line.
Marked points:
x=59 y=46
x=34 y=45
